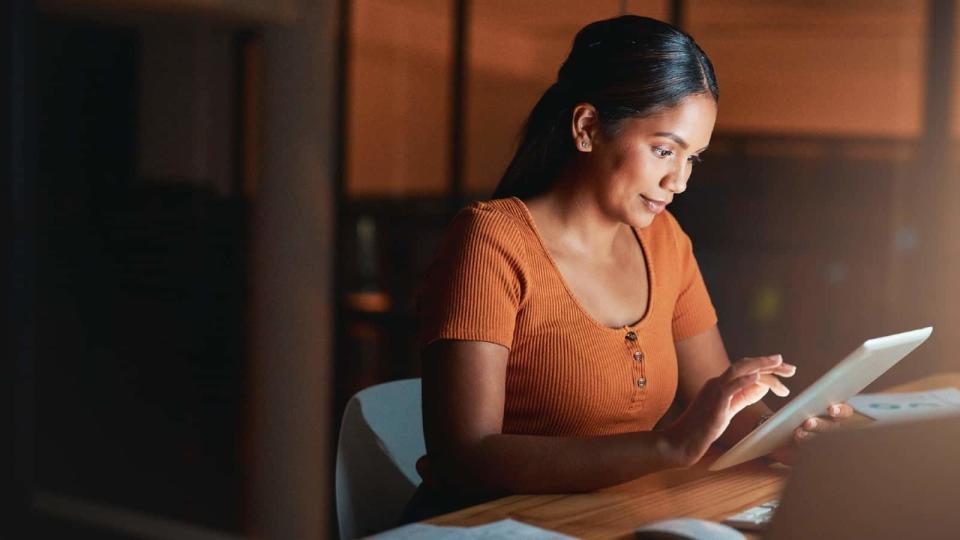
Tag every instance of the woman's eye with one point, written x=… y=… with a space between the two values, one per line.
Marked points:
x=662 y=152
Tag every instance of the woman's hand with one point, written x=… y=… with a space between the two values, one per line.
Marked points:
x=744 y=383
x=836 y=414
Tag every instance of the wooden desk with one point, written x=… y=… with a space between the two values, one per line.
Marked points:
x=616 y=511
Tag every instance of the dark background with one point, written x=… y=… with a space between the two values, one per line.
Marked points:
x=216 y=216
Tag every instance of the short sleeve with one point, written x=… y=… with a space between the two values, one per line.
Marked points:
x=474 y=288
x=694 y=312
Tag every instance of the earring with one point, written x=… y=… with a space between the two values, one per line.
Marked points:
x=585 y=144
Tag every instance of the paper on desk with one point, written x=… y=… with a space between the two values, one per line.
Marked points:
x=506 y=528
x=908 y=405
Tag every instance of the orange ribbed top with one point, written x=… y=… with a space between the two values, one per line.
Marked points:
x=567 y=375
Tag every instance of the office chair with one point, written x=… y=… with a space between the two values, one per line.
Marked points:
x=381 y=438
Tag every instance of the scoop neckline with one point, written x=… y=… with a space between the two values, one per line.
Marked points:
x=563 y=281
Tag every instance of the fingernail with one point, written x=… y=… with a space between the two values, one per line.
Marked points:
x=835 y=410
x=811 y=423
x=778 y=357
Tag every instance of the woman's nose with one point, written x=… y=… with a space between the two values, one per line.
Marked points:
x=676 y=181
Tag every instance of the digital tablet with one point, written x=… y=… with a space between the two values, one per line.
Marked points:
x=846 y=379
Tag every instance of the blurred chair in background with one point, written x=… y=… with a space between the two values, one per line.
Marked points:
x=381 y=438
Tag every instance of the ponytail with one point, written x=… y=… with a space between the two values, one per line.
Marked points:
x=544 y=148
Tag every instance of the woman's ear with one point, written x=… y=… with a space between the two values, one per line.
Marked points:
x=584 y=126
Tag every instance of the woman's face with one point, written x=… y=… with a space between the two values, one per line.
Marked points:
x=643 y=166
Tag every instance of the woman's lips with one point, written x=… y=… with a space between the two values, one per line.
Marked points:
x=654 y=205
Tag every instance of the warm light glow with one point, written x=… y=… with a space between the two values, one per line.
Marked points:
x=399 y=97
x=839 y=68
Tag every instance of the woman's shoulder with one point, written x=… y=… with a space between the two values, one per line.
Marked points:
x=499 y=220
x=507 y=209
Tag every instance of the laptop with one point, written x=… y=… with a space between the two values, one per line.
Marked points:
x=880 y=482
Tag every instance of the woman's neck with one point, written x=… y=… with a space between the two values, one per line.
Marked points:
x=571 y=218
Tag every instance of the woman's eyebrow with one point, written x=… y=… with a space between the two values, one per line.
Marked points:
x=677 y=139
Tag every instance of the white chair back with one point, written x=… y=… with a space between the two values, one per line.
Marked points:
x=381 y=438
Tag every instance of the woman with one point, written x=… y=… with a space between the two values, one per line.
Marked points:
x=561 y=318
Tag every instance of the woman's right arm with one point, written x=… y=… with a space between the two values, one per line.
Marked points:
x=463 y=405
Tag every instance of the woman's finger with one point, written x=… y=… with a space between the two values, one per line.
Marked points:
x=746 y=395
x=840 y=410
x=746 y=366
x=775 y=385
x=818 y=424
x=733 y=386
x=784 y=370
x=744 y=391
x=821 y=424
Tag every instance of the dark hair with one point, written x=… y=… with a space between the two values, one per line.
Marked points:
x=625 y=67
